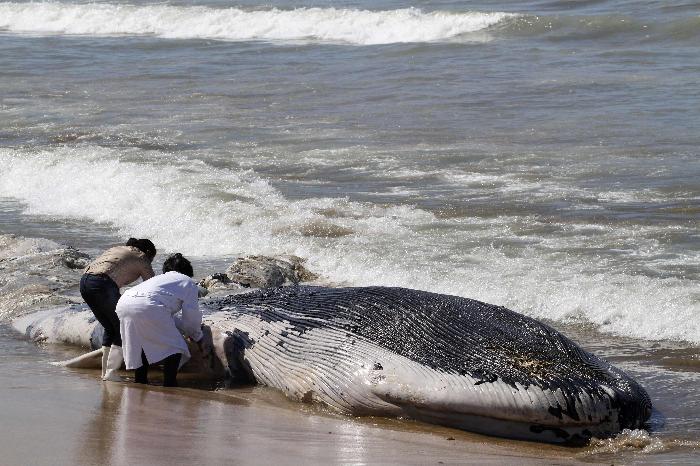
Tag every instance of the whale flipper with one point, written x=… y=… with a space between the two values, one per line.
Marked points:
x=91 y=360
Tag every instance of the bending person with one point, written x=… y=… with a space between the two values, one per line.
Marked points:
x=149 y=325
x=99 y=287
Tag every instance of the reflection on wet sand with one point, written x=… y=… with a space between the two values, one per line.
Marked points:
x=100 y=429
x=67 y=417
x=137 y=425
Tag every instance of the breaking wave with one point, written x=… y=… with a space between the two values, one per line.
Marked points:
x=351 y=26
x=190 y=206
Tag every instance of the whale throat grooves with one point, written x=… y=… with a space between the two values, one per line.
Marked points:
x=439 y=358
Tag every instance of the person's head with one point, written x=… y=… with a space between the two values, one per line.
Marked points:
x=143 y=245
x=177 y=263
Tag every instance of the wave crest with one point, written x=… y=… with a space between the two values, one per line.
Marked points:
x=351 y=26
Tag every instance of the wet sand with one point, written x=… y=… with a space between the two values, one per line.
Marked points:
x=57 y=416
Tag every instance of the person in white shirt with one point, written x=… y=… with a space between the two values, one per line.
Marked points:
x=151 y=331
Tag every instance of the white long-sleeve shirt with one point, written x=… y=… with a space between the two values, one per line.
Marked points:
x=148 y=320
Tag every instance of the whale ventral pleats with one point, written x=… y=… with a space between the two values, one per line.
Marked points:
x=490 y=348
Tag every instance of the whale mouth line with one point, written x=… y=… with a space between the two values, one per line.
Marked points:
x=518 y=429
x=564 y=419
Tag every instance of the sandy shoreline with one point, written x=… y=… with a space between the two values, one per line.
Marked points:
x=57 y=416
x=83 y=421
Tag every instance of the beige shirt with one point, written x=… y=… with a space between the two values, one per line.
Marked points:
x=123 y=264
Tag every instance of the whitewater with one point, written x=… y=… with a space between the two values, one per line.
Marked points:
x=352 y=26
x=185 y=207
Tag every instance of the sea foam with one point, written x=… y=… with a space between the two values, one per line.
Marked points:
x=189 y=206
x=350 y=26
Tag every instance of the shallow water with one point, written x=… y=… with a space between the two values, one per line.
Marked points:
x=540 y=155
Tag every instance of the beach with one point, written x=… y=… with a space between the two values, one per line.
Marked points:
x=536 y=155
x=55 y=416
x=84 y=420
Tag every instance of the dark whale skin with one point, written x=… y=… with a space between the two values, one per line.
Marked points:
x=460 y=336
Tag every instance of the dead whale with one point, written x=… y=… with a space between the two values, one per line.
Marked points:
x=399 y=352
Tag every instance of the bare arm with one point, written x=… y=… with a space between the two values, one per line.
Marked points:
x=146 y=270
x=191 y=321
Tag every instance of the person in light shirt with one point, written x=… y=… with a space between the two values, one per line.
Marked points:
x=99 y=287
x=151 y=330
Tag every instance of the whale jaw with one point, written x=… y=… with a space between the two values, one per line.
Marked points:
x=505 y=410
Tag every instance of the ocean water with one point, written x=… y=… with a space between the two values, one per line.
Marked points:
x=541 y=155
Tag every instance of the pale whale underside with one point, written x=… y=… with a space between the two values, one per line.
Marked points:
x=443 y=359
x=399 y=352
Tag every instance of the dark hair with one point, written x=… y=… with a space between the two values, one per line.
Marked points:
x=143 y=245
x=177 y=263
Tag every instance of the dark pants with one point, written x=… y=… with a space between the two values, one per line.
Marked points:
x=170 y=367
x=101 y=294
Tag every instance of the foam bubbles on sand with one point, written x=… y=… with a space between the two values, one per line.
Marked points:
x=636 y=440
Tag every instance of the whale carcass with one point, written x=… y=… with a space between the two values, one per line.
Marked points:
x=441 y=359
